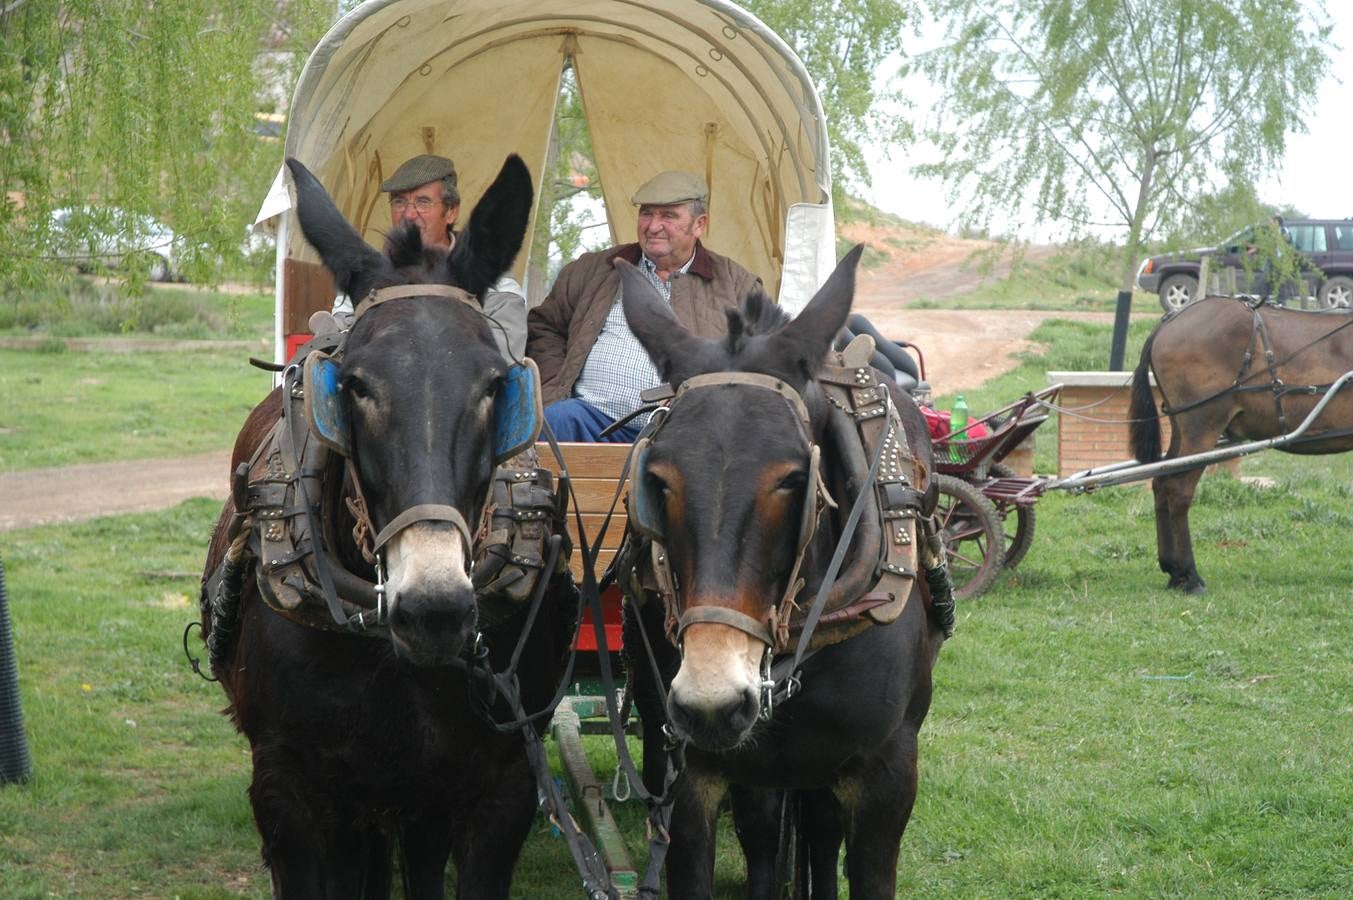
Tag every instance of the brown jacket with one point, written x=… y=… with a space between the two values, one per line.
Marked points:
x=561 y=331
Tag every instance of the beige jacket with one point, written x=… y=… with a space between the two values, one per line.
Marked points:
x=561 y=331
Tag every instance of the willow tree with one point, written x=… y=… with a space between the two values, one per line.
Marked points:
x=842 y=45
x=1115 y=112
x=146 y=106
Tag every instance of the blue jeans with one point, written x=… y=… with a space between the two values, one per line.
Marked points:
x=577 y=420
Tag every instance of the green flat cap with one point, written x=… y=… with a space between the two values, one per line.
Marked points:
x=671 y=187
x=418 y=172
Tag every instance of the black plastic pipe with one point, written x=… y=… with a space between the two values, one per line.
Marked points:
x=14 y=763
x=1118 y=343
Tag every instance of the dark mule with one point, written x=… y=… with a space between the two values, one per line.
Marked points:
x=363 y=744
x=729 y=477
x=1228 y=368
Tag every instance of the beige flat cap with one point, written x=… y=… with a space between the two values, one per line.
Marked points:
x=671 y=187
x=418 y=172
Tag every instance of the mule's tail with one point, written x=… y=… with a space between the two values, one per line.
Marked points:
x=1144 y=427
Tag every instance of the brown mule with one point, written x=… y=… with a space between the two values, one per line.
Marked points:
x=727 y=485
x=1229 y=368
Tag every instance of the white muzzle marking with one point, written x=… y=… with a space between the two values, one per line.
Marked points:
x=429 y=560
x=719 y=664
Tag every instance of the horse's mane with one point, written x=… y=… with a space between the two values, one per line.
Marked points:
x=413 y=262
x=755 y=315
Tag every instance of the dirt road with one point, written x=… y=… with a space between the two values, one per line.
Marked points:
x=962 y=350
x=74 y=493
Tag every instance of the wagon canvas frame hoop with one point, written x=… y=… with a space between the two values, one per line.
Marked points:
x=396 y=78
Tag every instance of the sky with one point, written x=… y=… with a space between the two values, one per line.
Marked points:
x=1311 y=177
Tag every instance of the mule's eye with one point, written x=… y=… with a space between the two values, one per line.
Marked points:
x=355 y=386
x=656 y=485
x=792 y=482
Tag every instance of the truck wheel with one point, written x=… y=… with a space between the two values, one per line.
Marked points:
x=1336 y=293
x=1177 y=292
x=974 y=538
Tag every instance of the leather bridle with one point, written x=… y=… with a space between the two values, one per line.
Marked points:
x=368 y=540
x=774 y=631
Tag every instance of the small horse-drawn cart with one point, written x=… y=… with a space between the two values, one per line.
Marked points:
x=1240 y=377
x=979 y=491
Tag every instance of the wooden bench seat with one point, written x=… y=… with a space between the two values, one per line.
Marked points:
x=594 y=470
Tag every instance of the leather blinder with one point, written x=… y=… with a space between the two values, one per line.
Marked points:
x=324 y=409
x=518 y=411
x=645 y=510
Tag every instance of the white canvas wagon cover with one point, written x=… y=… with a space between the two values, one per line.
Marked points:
x=700 y=85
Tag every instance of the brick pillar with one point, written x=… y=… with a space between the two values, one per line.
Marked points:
x=1094 y=429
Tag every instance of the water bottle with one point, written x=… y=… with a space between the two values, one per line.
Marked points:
x=958 y=420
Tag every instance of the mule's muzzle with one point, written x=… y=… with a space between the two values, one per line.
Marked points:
x=715 y=698
x=432 y=625
x=433 y=614
x=718 y=726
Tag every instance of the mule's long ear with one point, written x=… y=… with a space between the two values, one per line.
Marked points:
x=650 y=317
x=352 y=261
x=810 y=335
x=497 y=228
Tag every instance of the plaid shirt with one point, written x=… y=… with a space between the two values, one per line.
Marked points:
x=618 y=368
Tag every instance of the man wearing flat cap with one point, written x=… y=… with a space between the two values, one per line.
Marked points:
x=592 y=367
x=423 y=192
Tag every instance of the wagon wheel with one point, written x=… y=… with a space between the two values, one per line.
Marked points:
x=974 y=538
x=1017 y=544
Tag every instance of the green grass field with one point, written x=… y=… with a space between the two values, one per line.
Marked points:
x=64 y=407
x=1091 y=734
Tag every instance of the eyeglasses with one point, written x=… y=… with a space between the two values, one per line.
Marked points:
x=422 y=204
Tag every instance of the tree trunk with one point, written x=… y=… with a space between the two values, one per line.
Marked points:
x=1132 y=248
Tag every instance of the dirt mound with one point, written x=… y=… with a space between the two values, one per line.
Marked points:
x=924 y=263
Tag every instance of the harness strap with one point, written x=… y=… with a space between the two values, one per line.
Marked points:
x=659 y=806
x=423 y=512
x=862 y=500
x=403 y=291
x=754 y=379
x=1275 y=384
x=722 y=615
